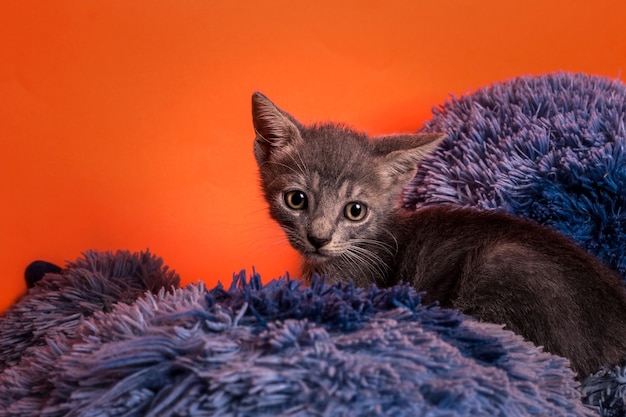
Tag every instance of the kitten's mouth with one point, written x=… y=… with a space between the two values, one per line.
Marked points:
x=318 y=256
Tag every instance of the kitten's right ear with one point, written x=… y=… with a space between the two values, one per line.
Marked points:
x=400 y=154
x=275 y=129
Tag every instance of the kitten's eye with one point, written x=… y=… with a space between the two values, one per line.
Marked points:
x=355 y=211
x=296 y=200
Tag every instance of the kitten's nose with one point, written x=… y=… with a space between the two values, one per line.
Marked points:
x=317 y=242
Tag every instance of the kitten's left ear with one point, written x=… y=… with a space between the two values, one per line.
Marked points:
x=401 y=154
x=275 y=129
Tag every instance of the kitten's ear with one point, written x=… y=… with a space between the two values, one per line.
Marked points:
x=275 y=130
x=401 y=154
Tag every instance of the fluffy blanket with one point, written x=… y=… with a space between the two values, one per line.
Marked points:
x=91 y=342
x=113 y=335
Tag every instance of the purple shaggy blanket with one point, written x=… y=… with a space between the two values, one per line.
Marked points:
x=112 y=335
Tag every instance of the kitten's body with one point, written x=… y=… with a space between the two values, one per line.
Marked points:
x=335 y=194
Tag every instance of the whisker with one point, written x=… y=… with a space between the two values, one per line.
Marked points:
x=292 y=169
x=397 y=245
x=376 y=243
x=301 y=164
x=369 y=255
x=353 y=259
x=264 y=242
x=364 y=258
x=373 y=260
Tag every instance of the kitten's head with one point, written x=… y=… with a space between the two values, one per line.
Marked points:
x=329 y=187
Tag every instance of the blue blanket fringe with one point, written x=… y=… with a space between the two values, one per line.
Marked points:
x=262 y=350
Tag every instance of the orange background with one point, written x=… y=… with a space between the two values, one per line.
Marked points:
x=125 y=124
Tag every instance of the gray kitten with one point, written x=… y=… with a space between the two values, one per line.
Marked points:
x=335 y=193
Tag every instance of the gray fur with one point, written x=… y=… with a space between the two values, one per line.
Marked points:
x=490 y=265
x=293 y=157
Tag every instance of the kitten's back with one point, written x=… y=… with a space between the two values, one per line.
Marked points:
x=502 y=269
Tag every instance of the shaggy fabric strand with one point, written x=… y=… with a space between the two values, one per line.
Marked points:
x=274 y=349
